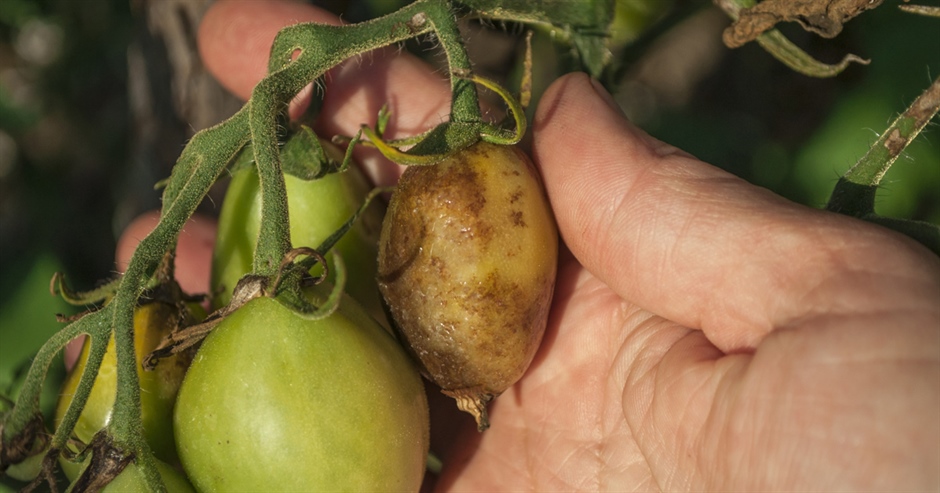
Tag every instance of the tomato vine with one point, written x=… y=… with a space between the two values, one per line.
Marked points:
x=300 y=54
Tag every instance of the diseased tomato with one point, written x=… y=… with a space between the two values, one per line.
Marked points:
x=277 y=402
x=152 y=322
x=317 y=209
x=467 y=264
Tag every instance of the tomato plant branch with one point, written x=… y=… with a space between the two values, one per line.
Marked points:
x=189 y=182
x=300 y=54
x=99 y=346
x=17 y=421
x=303 y=53
x=854 y=194
x=200 y=164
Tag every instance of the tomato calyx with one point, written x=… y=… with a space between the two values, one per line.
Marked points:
x=248 y=288
x=286 y=285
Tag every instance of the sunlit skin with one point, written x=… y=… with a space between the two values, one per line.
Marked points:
x=705 y=334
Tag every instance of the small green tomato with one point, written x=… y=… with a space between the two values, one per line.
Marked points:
x=152 y=322
x=276 y=402
x=317 y=208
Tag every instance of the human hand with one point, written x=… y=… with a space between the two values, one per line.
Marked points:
x=705 y=334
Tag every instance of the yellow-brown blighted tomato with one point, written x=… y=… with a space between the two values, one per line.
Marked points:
x=467 y=262
x=158 y=388
x=277 y=402
x=317 y=209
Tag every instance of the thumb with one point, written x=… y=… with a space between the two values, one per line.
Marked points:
x=686 y=240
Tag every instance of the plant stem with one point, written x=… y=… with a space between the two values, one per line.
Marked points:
x=854 y=194
x=96 y=351
x=199 y=166
x=303 y=53
x=27 y=403
x=300 y=54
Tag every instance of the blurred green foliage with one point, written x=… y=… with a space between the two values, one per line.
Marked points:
x=796 y=135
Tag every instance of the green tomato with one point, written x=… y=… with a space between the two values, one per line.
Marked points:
x=317 y=209
x=158 y=388
x=28 y=469
x=132 y=481
x=277 y=402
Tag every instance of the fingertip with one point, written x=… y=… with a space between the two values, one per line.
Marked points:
x=136 y=231
x=235 y=38
x=578 y=118
x=193 y=249
x=194 y=254
x=588 y=154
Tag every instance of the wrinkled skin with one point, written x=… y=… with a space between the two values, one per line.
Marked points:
x=467 y=262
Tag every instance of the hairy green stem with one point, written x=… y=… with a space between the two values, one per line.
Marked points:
x=96 y=352
x=854 y=194
x=27 y=403
x=303 y=53
x=300 y=54
x=199 y=166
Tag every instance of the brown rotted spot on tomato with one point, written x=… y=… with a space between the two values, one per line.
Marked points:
x=517 y=220
x=107 y=462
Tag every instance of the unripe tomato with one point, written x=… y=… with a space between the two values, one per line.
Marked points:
x=158 y=388
x=317 y=209
x=27 y=470
x=277 y=402
x=132 y=481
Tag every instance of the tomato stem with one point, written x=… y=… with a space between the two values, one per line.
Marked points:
x=854 y=193
x=300 y=54
x=17 y=421
x=303 y=53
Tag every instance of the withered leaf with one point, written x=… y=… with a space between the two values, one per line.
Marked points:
x=823 y=17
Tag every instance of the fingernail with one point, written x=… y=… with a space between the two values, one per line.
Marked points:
x=606 y=96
